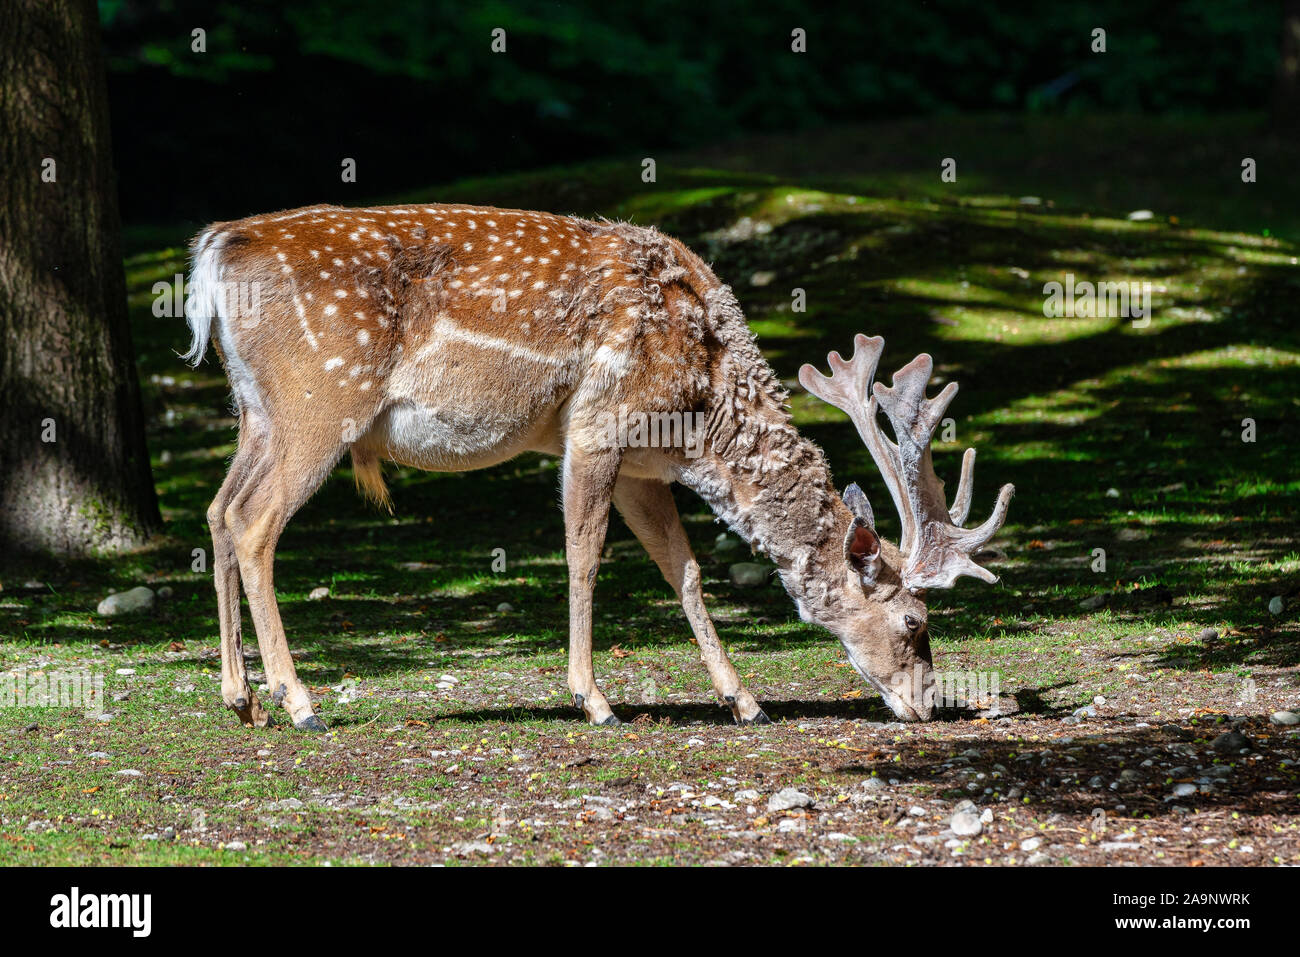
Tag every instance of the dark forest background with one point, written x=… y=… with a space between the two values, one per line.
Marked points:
x=412 y=91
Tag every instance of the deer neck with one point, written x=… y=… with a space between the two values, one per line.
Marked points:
x=773 y=488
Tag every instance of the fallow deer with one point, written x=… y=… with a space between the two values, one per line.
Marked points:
x=451 y=337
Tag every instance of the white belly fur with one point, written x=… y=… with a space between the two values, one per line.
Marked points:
x=459 y=436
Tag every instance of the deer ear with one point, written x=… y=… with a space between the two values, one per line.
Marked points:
x=862 y=551
x=856 y=500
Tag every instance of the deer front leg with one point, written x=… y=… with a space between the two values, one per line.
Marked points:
x=588 y=486
x=649 y=510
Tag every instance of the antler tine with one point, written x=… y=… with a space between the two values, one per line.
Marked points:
x=965 y=489
x=848 y=388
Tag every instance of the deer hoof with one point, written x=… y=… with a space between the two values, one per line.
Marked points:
x=250 y=713
x=611 y=721
x=312 y=723
x=760 y=718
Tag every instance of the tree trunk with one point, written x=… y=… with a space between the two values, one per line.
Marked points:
x=74 y=472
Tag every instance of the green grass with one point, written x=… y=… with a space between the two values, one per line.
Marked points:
x=1120 y=438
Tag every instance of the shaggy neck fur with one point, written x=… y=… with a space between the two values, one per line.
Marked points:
x=760 y=476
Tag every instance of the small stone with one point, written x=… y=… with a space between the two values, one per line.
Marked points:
x=316 y=594
x=746 y=796
x=236 y=846
x=125 y=672
x=1039 y=858
x=1184 y=790
x=1093 y=603
x=965 y=824
x=129 y=773
x=1087 y=711
x=1118 y=846
x=1141 y=215
x=747 y=574
x=166 y=591
x=987 y=816
x=1276 y=605
x=1099 y=700
x=1284 y=717
x=761 y=278
x=1031 y=844
x=505 y=606
x=1000 y=708
x=787 y=799
x=128 y=602
x=724 y=543
x=1112 y=493
x=1230 y=742
x=1209 y=634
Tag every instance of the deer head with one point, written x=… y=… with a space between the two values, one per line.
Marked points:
x=881 y=616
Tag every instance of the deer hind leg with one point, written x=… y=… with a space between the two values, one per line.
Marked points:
x=286 y=473
x=235 y=690
x=588 y=487
x=649 y=510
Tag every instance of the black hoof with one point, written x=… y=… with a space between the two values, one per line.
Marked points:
x=313 y=723
x=760 y=718
x=240 y=704
x=611 y=721
x=578 y=700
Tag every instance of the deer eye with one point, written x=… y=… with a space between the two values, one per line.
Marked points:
x=911 y=622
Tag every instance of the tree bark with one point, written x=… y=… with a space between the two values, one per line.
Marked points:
x=74 y=471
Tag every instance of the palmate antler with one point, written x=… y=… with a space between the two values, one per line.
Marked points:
x=936 y=548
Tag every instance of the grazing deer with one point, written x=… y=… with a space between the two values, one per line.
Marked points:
x=452 y=338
